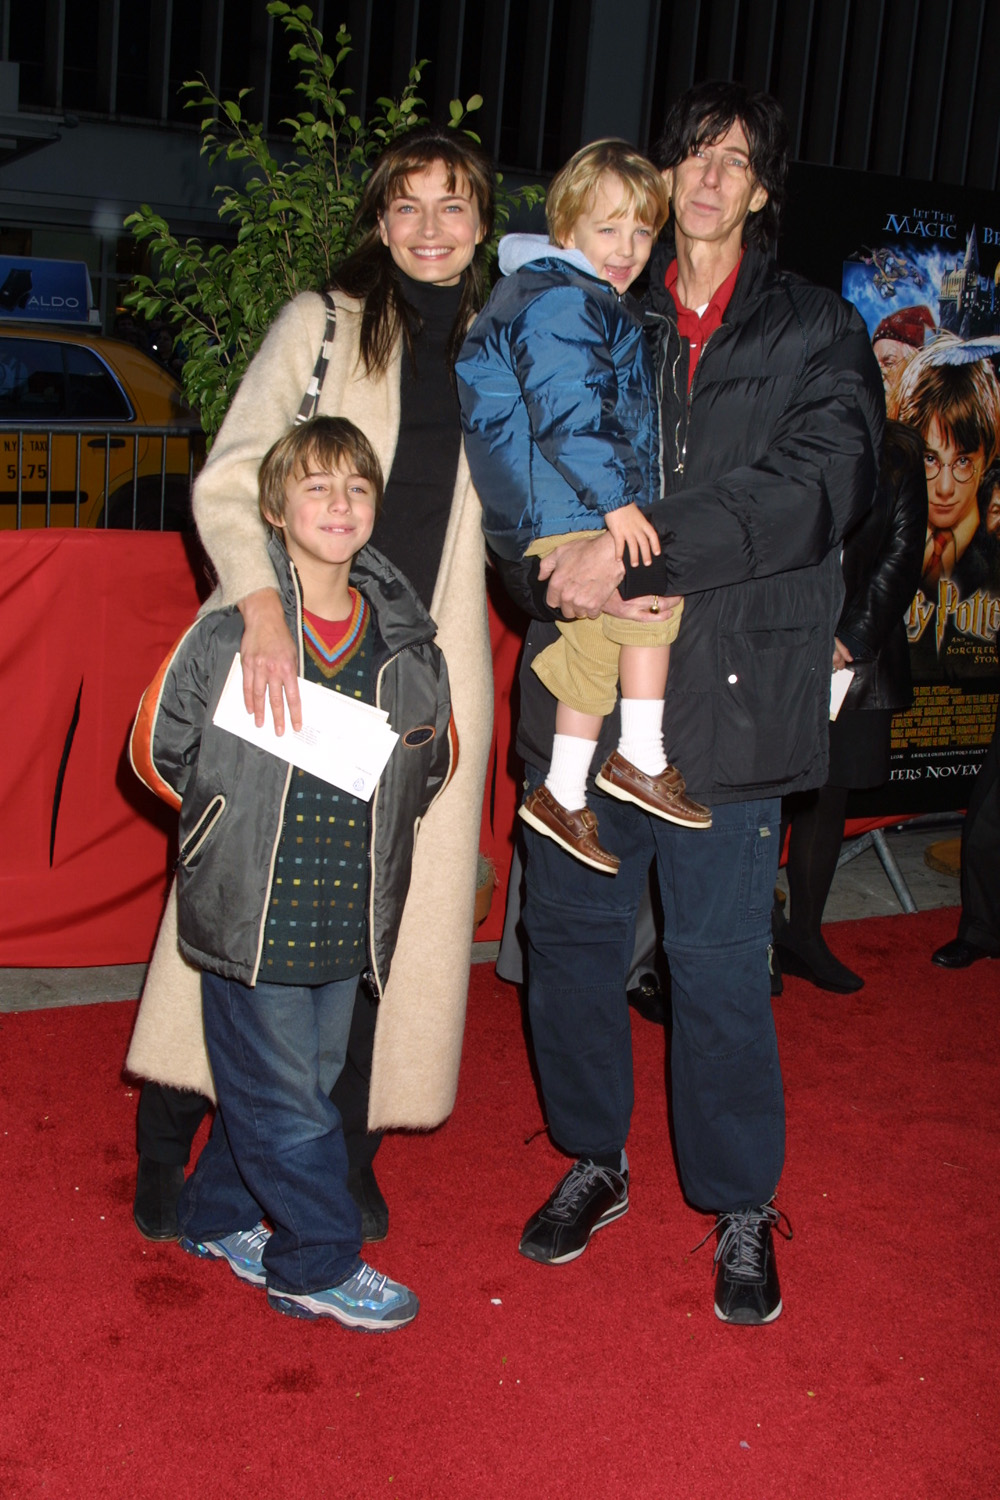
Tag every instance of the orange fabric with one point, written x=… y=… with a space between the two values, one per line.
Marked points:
x=141 y=741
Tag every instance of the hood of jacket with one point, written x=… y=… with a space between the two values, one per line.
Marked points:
x=519 y=250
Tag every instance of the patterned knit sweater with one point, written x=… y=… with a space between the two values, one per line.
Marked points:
x=316 y=925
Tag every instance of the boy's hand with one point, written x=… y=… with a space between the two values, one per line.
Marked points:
x=270 y=660
x=630 y=529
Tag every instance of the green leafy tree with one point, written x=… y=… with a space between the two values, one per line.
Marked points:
x=293 y=217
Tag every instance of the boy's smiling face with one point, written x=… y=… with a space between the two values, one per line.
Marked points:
x=616 y=243
x=328 y=517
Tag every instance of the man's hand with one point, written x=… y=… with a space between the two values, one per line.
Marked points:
x=841 y=656
x=582 y=576
x=647 y=609
x=633 y=532
x=270 y=660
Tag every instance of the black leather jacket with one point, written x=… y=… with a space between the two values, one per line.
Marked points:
x=881 y=563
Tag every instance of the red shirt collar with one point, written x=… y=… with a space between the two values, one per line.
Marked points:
x=698 y=329
x=720 y=299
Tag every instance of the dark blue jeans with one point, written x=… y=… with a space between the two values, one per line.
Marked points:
x=717 y=887
x=276 y=1150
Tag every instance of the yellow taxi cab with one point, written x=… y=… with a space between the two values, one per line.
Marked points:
x=93 y=432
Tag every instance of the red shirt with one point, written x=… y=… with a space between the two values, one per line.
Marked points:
x=690 y=326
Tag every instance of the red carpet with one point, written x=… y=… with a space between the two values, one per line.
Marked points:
x=132 y=1370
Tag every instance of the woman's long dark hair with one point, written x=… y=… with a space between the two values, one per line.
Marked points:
x=369 y=273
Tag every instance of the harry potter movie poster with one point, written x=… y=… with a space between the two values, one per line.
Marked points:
x=921 y=263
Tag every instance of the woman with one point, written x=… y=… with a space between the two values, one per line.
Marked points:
x=881 y=562
x=403 y=300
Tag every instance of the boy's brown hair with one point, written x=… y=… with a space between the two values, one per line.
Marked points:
x=320 y=445
x=572 y=189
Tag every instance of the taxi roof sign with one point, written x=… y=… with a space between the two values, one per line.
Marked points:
x=45 y=291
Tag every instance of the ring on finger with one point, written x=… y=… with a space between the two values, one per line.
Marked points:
x=654 y=608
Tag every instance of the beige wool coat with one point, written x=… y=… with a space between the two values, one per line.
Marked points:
x=421 y=1016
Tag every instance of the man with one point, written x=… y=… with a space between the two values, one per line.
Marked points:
x=771 y=420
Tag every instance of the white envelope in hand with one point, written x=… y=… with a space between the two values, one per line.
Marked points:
x=342 y=740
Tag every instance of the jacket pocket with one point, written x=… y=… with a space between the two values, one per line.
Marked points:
x=202 y=830
x=769 y=711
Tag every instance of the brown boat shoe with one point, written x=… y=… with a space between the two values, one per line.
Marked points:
x=576 y=832
x=662 y=795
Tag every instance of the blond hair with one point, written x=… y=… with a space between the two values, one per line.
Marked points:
x=574 y=187
x=321 y=445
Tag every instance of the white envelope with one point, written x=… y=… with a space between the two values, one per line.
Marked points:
x=342 y=740
x=839 y=683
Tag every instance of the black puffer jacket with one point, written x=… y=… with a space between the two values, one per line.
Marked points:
x=882 y=561
x=766 y=466
x=232 y=794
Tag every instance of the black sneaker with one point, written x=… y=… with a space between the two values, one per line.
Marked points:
x=586 y=1199
x=746 y=1286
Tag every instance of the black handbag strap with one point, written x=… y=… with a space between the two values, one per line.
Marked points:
x=310 y=401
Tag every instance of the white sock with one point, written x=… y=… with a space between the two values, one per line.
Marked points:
x=642 y=734
x=567 y=778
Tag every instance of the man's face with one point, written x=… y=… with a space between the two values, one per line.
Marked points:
x=893 y=356
x=953 y=477
x=713 y=190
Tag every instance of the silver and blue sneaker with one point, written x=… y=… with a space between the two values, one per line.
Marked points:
x=365 y=1300
x=242 y=1251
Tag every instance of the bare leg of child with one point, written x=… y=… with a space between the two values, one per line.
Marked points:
x=642 y=672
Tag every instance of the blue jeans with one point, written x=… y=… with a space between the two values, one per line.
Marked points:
x=716 y=887
x=276 y=1149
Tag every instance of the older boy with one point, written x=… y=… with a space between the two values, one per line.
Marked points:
x=288 y=887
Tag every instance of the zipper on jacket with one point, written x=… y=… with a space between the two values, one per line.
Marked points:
x=376 y=977
x=201 y=830
x=372 y=964
x=685 y=403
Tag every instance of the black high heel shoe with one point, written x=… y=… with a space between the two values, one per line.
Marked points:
x=813 y=961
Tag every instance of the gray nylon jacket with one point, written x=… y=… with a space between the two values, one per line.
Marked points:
x=231 y=794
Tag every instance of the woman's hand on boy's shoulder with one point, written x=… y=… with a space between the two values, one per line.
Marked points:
x=270 y=660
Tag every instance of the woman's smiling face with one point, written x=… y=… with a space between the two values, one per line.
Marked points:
x=431 y=229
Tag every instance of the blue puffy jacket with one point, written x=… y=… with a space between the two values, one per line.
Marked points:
x=558 y=399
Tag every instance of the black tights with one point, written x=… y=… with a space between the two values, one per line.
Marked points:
x=817 y=832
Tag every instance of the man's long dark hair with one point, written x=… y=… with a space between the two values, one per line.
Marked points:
x=369 y=273
x=703 y=114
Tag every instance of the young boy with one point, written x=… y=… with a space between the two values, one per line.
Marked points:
x=289 y=887
x=559 y=410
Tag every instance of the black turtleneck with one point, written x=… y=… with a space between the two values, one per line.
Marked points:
x=411 y=527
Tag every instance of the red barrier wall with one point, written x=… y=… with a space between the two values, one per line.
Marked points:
x=91 y=615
